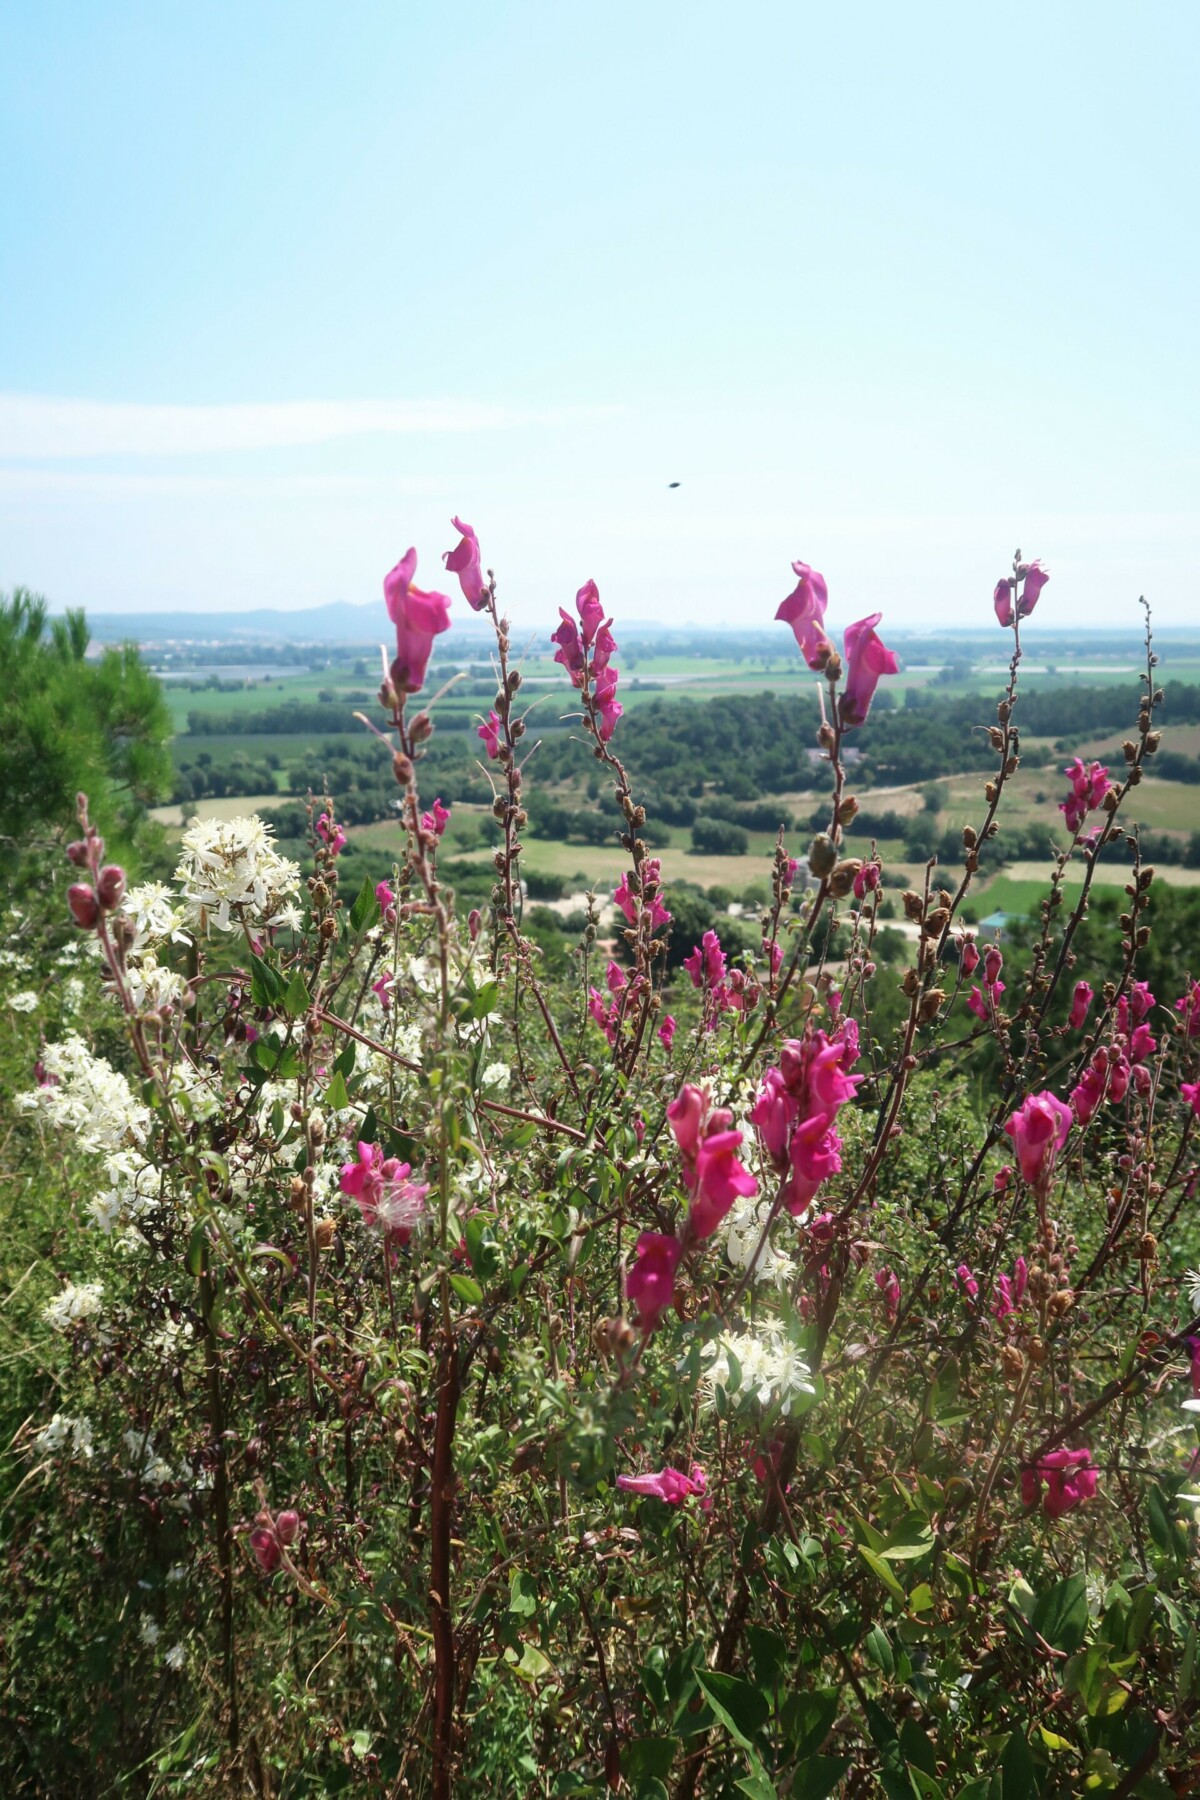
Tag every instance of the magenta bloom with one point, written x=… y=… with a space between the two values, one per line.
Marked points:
x=1010 y=1291
x=570 y=648
x=384 y=897
x=804 y=611
x=666 y=1031
x=84 y=905
x=1035 y=580
x=967 y=1281
x=591 y=612
x=1039 y=1129
x=331 y=834
x=489 y=734
x=706 y=962
x=1081 y=1002
x=1002 y=600
x=463 y=561
x=607 y=704
x=1189 y=1093
x=968 y=957
x=1188 y=1009
x=867 y=658
x=435 y=822
x=386 y=1198
x=270 y=1535
x=888 y=1283
x=650 y=1283
x=867 y=879
x=1070 y=1477
x=816 y=1154
x=671 y=1486
x=418 y=617
x=1089 y=784
x=712 y=1172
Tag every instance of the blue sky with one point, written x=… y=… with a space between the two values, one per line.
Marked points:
x=889 y=289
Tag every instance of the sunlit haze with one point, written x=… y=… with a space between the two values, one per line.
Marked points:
x=892 y=290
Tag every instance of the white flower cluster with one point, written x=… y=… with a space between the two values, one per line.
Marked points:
x=64 y=1435
x=153 y=911
x=85 y=1301
x=765 y=1367
x=743 y=1233
x=232 y=875
x=88 y=1098
x=24 y=1002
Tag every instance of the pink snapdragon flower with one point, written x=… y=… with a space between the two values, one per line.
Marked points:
x=489 y=734
x=968 y=956
x=804 y=611
x=1070 y=1477
x=625 y=896
x=1039 y=1128
x=1089 y=784
x=1188 y=1009
x=331 y=834
x=270 y=1536
x=386 y=1197
x=796 y=1106
x=985 y=1008
x=607 y=704
x=463 y=561
x=382 y=989
x=888 y=1283
x=650 y=1284
x=419 y=617
x=706 y=962
x=1081 y=1002
x=1010 y=1290
x=1035 y=579
x=386 y=901
x=967 y=1281
x=666 y=1031
x=867 y=658
x=1189 y=1093
x=867 y=878
x=712 y=1173
x=435 y=822
x=671 y=1486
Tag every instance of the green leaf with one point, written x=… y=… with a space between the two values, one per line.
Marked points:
x=1017 y=1768
x=817 y=1777
x=878 y=1647
x=365 y=910
x=483 y=1002
x=648 y=1757
x=810 y=1716
x=296 y=999
x=921 y=1598
x=467 y=1289
x=1165 y=1529
x=1052 y=1741
x=916 y=1748
x=1060 y=1615
x=740 y=1707
x=336 y=1097
x=523 y=1595
x=757 y=1785
x=911 y=1540
x=196 y=1257
x=266 y=983
x=880 y=1568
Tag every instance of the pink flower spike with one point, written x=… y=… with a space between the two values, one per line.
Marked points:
x=1002 y=600
x=666 y=1031
x=867 y=658
x=463 y=561
x=607 y=704
x=650 y=1284
x=888 y=1283
x=591 y=612
x=1039 y=1129
x=1189 y=1093
x=671 y=1486
x=489 y=734
x=419 y=617
x=1070 y=1476
x=1188 y=1009
x=570 y=648
x=804 y=611
x=435 y=822
x=1035 y=580
x=1081 y=1001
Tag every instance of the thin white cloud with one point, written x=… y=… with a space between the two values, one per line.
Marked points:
x=35 y=426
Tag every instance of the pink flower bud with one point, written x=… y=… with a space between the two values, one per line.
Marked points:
x=111 y=885
x=474 y=921
x=287 y=1526
x=77 y=853
x=85 y=907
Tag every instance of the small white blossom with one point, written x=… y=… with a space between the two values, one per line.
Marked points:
x=1191 y=1281
x=88 y=1098
x=24 y=1002
x=770 y=1370
x=175 y=1658
x=743 y=1233
x=148 y=1631
x=64 y=1434
x=232 y=875
x=496 y=1075
x=84 y=1301
x=155 y=915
